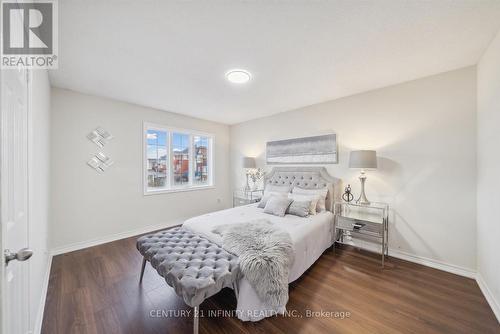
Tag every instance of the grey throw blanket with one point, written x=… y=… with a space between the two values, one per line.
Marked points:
x=266 y=255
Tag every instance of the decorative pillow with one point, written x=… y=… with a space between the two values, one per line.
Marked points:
x=321 y=192
x=314 y=199
x=299 y=208
x=277 y=205
x=268 y=195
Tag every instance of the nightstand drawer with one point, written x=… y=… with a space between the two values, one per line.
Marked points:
x=245 y=197
x=244 y=201
x=351 y=224
x=241 y=201
x=348 y=224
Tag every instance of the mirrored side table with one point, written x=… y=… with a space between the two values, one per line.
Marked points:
x=366 y=220
x=245 y=197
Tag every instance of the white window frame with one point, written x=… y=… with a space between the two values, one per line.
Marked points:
x=170 y=188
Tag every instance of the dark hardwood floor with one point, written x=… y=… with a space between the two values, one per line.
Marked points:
x=96 y=290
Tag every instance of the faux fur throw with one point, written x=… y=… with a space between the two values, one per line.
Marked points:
x=265 y=253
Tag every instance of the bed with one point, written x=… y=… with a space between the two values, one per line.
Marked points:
x=311 y=236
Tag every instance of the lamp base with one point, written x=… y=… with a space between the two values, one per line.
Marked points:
x=247 y=187
x=362 y=197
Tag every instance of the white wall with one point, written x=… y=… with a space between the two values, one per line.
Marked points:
x=87 y=206
x=39 y=192
x=488 y=167
x=425 y=134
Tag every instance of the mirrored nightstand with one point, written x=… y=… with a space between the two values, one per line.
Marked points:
x=244 y=197
x=367 y=220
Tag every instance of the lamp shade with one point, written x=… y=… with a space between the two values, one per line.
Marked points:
x=249 y=162
x=364 y=159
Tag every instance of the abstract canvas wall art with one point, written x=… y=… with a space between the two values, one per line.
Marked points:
x=308 y=150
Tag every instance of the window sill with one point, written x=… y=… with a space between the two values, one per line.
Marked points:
x=176 y=190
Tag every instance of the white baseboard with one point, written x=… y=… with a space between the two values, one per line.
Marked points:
x=436 y=264
x=490 y=298
x=113 y=237
x=41 y=308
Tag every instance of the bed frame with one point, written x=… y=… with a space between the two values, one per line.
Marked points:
x=308 y=178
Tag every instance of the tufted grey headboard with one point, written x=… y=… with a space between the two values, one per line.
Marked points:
x=306 y=177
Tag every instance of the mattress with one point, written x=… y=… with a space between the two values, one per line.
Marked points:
x=310 y=237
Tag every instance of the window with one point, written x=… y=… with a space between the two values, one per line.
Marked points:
x=157 y=158
x=181 y=152
x=201 y=145
x=176 y=160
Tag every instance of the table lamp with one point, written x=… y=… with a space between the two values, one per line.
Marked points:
x=363 y=159
x=248 y=163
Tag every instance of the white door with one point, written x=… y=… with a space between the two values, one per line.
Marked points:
x=14 y=201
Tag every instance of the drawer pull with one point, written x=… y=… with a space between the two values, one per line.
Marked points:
x=357 y=226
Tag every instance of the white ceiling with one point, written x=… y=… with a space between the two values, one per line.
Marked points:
x=172 y=55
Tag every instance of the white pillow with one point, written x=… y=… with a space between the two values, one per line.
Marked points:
x=321 y=192
x=276 y=188
x=301 y=198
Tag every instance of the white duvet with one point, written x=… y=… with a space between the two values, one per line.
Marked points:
x=310 y=236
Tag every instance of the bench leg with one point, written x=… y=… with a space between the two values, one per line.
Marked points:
x=196 y=319
x=142 y=269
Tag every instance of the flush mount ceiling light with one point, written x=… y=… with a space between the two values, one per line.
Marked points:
x=238 y=76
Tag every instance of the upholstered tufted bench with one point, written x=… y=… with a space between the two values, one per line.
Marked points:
x=194 y=266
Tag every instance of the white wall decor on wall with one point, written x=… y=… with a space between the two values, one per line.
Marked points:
x=99 y=136
x=100 y=162
x=308 y=150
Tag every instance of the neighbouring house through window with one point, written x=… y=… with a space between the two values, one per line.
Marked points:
x=176 y=159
